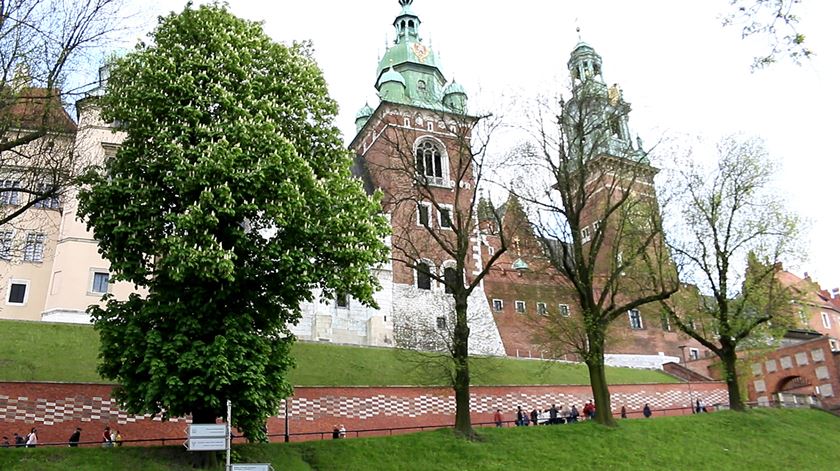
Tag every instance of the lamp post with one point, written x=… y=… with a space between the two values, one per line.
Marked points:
x=685 y=365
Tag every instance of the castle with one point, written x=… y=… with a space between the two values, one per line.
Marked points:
x=52 y=271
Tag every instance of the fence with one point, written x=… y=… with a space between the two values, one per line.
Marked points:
x=328 y=434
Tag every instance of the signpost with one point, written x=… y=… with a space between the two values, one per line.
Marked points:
x=216 y=437
x=252 y=467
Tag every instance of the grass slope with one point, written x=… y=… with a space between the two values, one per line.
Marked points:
x=758 y=440
x=35 y=351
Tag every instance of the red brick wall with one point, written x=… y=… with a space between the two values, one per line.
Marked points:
x=57 y=409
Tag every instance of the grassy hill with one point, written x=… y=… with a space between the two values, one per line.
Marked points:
x=759 y=440
x=35 y=351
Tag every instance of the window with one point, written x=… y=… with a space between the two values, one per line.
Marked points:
x=635 y=319
x=694 y=353
x=834 y=345
x=6 y=239
x=50 y=202
x=666 y=322
x=33 y=251
x=423 y=211
x=826 y=320
x=441 y=322
x=18 y=291
x=445 y=217
x=430 y=163
x=7 y=195
x=424 y=277
x=100 y=283
x=564 y=310
x=542 y=309
x=520 y=306
x=585 y=234
x=342 y=299
x=450 y=279
x=498 y=305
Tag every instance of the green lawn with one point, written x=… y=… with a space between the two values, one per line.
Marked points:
x=35 y=351
x=758 y=440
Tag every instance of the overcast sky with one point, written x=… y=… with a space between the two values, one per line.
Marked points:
x=678 y=67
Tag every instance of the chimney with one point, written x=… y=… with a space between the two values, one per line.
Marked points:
x=807 y=276
x=835 y=293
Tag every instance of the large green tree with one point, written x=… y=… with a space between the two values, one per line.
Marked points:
x=228 y=202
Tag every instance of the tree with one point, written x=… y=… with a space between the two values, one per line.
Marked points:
x=430 y=178
x=776 y=21
x=592 y=205
x=42 y=42
x=730 y=235
x=229 y=201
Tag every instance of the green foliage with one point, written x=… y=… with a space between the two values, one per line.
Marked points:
x=229 y=200
x=28 y=353
x=760 y=440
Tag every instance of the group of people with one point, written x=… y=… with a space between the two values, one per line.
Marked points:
x=109 y=438
x=339 y=432
x=550 y=416
x=19 y=441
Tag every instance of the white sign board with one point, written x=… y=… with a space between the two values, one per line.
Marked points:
x=251 y=467
x=208 y=431
x=206 y=444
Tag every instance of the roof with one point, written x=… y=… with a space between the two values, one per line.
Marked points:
x=27 y=111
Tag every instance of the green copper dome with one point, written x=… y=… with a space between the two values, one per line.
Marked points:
x=364 y=112
x=453 y=88
x=391 y=75
x=519 y=265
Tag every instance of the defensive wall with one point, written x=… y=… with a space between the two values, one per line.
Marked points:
x=56 y=409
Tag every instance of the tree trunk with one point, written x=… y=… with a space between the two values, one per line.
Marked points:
x=729 y=359
x=204 y=459
x=460 y=350
x=598 y=381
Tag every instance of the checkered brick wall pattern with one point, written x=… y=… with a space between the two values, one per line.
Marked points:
x=58 y=408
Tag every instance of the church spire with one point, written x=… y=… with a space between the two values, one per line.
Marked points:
x=407 y=24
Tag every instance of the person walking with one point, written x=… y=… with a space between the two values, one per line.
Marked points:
x=646 y=411
x=32 y=439
x=574 y=414
x=535 y=417
x=520 y=417
x=497 y=417
x=552 y=415
x=623 y=412
x=19 y=441
x=73 y=441
x=106 y=438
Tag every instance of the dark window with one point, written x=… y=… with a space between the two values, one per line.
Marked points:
x=423 y=214
x=100 y=283
x=520 y=306
x=33 y=251
x=430 y=162
x=666 y=322
x=441 y=322
x=6 y=239
x=17 y=293
x=424 y=277
x=498 y=305
x=564 y=310
x=542 y=309
x=342 y=299
x=450 y=278
x=8 y=196
x=445 y=218
x=635 y=318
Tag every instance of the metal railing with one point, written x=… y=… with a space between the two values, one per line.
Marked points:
x=328 y=434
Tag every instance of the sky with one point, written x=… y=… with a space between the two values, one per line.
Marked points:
x=683 y=73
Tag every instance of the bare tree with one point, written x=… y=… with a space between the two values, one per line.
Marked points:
x=431 y=195
x=730 y=234
x=42 y=43
x=774 y=20
x=591 y=202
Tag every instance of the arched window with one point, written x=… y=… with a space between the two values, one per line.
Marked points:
x=431 y=162
x=424 y=275
x=450 y=278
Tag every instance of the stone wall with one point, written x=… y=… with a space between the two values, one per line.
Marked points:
x=56 y=409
